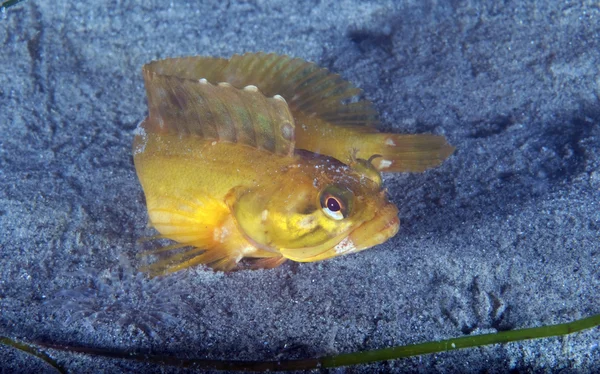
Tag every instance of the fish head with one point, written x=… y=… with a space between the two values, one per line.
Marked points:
x=315 y=210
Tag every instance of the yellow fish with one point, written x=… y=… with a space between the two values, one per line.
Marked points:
x=264 y=156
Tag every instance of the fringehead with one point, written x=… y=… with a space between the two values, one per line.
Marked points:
x=263 y=157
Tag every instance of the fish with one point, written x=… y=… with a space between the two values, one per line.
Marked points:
x=262 y=158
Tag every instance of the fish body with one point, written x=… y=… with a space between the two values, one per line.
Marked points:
x=259 y=157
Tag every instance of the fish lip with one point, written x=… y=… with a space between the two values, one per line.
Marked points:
x=377 y=230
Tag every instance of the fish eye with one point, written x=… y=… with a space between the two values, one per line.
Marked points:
x=334 y=203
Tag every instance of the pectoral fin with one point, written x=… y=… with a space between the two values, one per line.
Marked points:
x=203 y=230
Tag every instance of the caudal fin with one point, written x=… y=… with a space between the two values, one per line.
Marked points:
x=404 y=153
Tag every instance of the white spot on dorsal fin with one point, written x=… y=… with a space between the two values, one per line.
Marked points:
x=390 y=141
x=224 y=84
x=251 y=88
x=385 y=164
x=264 y=215
x=287 y=131
x=280 y=98
x=141 y=132
x=203 y=81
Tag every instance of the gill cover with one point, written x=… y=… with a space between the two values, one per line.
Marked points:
x=293 y=220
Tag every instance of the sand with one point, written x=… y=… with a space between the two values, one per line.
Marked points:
x=503 y=235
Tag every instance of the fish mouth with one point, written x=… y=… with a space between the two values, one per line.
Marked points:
x=383 y=226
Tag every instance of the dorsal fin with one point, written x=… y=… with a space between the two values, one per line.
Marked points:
x=180 y=102
x=307 y=88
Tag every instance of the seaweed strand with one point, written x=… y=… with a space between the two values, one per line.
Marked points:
x=32 y=350
x=345 y=359
x=9 y=3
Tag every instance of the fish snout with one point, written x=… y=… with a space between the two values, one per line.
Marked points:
x=383 y=226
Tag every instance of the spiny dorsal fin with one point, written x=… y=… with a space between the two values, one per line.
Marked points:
x=306 y=87
x=180 y=103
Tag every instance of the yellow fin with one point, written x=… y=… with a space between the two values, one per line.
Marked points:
x=306 y=87
x=190 y=256
x=194 y=223
x=278 y=103
x=405 y=152
x=181 y=105
x=190 y=68
x=267 y=262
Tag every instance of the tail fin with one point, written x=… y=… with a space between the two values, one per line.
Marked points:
x=404 y=153
x=399 y=153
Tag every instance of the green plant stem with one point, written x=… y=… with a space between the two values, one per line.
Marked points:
x=30 y=349
x=462 y=342
x=346 y=359
x=9 y=3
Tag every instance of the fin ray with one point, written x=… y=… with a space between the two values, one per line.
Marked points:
x=203 y=230
x=178 y=104
x=406 y=153
x=267 y=262
x=305 y=86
